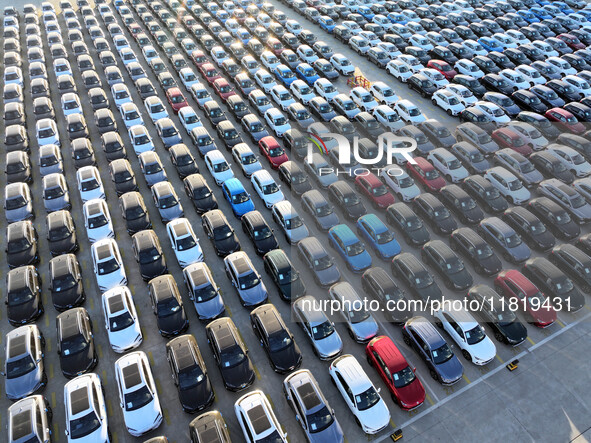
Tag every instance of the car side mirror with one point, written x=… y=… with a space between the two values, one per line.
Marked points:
x=67 y=432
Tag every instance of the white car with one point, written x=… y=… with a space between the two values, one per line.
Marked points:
x=246 y=159
x=363 y=98
x=492 y=111
x=184 y=242
x=515 y=79
x=97 y=220
x=155 y=108
x=468 y=335
x=421 y=42
x=61 y=66
x=578 y=84
x=398 y=180
x=189 y=119
x=71 y=104
x=383 y=93
x=399 y=70
x=307 y=54
x=546 y=48
x=435 y=76
x=217 y=166
x=448 y=164
x=270 y=60
x=108 y=264
x=292 y=225
x=475 y=47
x=518 y=37
x=359 y=393
x=390 y=49
x=570 y=158
x=264 y=79
x=448 y=101
x=508 y=185
x=13 y=74
x=562 y=66
x=46 y=132
x=188 y=78
x=90 y=184
x=138 y=397
x=385 y=115
x=437 y=39
x=468 y=67
x=352 y=26
x=342 y=64
x=383 y=21
x=538 y=141
x=370 y=37
x=506 y=40
x=411 y=62
x=281 y=95
x=359 y=44
x=218 y=54
x=409 y=112
x=86 y=411
x=131 y=115
x=266 y=187
x=120 y=94
x=140 y=139
x=121 y=319
x=257 y=419
x=50 y=160
x=302 y=91
x=200 y=94
x=532 y=75
x=293 y=26
x=277 y=121
x=463 y=94
x=150 y=53
x=127 y=56
x=326 y=89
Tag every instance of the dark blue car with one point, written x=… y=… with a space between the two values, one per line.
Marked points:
x=378 y=235
x=349 y=247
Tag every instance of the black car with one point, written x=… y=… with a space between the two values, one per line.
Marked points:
x=230 y=354
x=438 y=133
x=419 y=53
x=555 y=217
x=148 y=254
x=65 y=282
x=276 y=339
x=368 y=124
x=447 y=264
x=529 y=227
x=409 y=269
x=548 y=71
x=576 y=61
x=471 y=83
x=574 y=262
x=555 y=284
x=167 y=306
x=422 y=84
x=460 y=51
x=122 y=176
x=581 y=111
x=564 y=90
x=61 y=233
x=478 y=117
x=113 y=146
x=503 y=237
x=530 y=52
x=551 y=167
x=496 y=83
x=342 y=195
x=494 y=311
x=292 y=175
x=189 y=373
x=228 y=133
x=378 y=284
x=485 y=194
x=486 y=64
x=237 y=106
x=528 y=101
x=465 y=33
x=501 y=60
x=284 y=275
x=134 y=212
x=548 y=96
x=434 y=213
x=259 y=232
x=182 y=159
x=408 y=223
x=578 y=143
x=23 y=295
x=199 y=193
x=462 y=204
x=21 y=247
x=75 y=342
x=469 y=244
x=443 y=53
x=424 y=144
x=214 y=112
x=219 y=231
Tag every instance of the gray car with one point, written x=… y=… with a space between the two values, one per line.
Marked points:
x=113 y=75
x=360 y=323
x=168 y=132
x=23 y=366
x=477 y=136
x=18 y=167
x=260 y=101
x=16 y=138
x=13 y=93
x=167 y=201
x=320 y=170
x=152 y=168
x=567 y=197
x=203 y=291
x=315 y=204
x=246 y=159
x=55 y=193
x=322 y=266
x=471 y=157
x=39 y=88
x=18 y=204
x=245 y=279
x=499 y=234
x=76 y=126
x=321 y=332
x=104 y=120
x=520 y=166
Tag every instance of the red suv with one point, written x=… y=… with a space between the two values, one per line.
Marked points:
x=209 y=72
x=426 y=174
x=565 y=120
x=275 y=46
x=373 y=188
x=223 y=89
x=407 y=390
x=443 y=67
x=518 y=289
x=199 y=58
x=272 y=151
x=176 y=99
x=508 y=138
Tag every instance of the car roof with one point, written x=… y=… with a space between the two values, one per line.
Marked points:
x=427 y=331
x=544 y=266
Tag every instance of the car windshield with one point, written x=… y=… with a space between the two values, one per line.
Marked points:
x=168 y=307
x=513 y=241
x=19 y=296
x=355 y=249
x=367 y=399
x=120 y=322
x=379 y=190
x=170 y=131
x=222 y=232
x=13 y=168
x=149 y=255
x=403 y=377
x=168 y=201
x=18 y=245
x=248 y=281
x=63 y=282
x=442 y=354
x=504 y=316
x=475 y=335
x=432 y=174
x=20 y=367
x=563 y=285
x=15 y=203
x=137 y=399
x=89 y=185
x=526 y=167
x=293 y=222
x=221 y=167
x=271 y=188
x=191 y=377
x=53 y=193
x=73 y=345
x=107 y=267
x=322 y=263
x=279 y=340
x=578 y=159
x=319 y=420
x=577 y=201
x=85 y=425
x=515 y=185
x=454 y=266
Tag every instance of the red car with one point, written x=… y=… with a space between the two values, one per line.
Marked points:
x=571 y=41
x=508 y=138
x=135 y=29
x=223 y=89
x=210 y=72
x=373 y=188
x=565 y=120
x=445 y=68
x=275 y=46
x=272 y=151
x=426 y=174
x=199 y=58
x=407 y=390
x=517 y=288
x=176 y=99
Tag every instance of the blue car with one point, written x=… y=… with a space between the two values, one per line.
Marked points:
x=366 y=13
x=237 y=196
x=528 y=16
x=490 y=44
x=349 y=247
x=307 y=73
x=564 y=8
x=326 y=23
x=284 y=75
x=378 y=235
x=542 y=2
x=540 y=13
x=397 y=17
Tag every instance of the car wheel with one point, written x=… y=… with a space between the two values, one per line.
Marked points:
x=358 y=422
x=406 y=340
x=510 y=199
x=438 y=324
x=449 y=112
x=369 y=362
x=434 y=375
x=499 y=337
x=394 y=399
x=434 y=102
x=466 y=355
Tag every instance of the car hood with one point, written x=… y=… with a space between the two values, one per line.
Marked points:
x=21 y=258
x=333 y=434
x=297 y=234
x=462 y=279
x=141 y=420
x=533 y=177
x=210 y=308
x=375 y=417
x=77 y=363
x=197 y=397
x=18 y=214
x=484 y=350
x=287 y=358
x=331 y=345
x=126 y=338
x=329 y=275
x=173 y=323
x=239 y=376
x=266 y=244
x=365 y=329
x=412 y=394
x=23 y=313
x=22 y=386
x=583 y=212
x=515 y=332
x=254 y=296
x=451 y=370
x=68 y=297
x=111 y=280
x=329 y=221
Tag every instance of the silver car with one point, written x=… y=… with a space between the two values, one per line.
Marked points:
x=203 y=291
x=152 y=168
x=50 y=160
x=360 y=323
x=167 y=201
x=567 y=197
x=29 y=419
x=23 y=367
x=520 y=166
x=245 y=279
x=320 y=170
x=290 y=221
x=55 y=193
x=18 y=204
x=325 y=339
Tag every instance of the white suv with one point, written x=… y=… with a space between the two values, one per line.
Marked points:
x=121 y=319
x=266 y=187
x=257 y=419
x=90 y=184
x=184 y=242
x=361 y=396
x=97 y=220
x=86 y=413
x=108 y=265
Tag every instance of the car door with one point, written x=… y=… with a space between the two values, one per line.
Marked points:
x=346 y=392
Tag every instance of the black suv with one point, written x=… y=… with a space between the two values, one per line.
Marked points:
x=485 y=193
x=200 y=193
x=529 y=227
x=219 y=231
x=23 y=295
x=75 y=342
x=447 y=264
x=167 y=306
x=462 y=204
x=134 y=212
x=555 y=217
x=476 y=250
x=574 y=262
x=61 y=233
x=259 y=232
x=284 y=275
x=65 y=282
x=434 y=213
x=376 y=282
x=408 y=223
x=148 y=254
x=419 y=280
